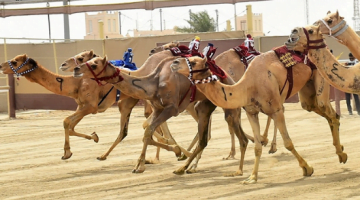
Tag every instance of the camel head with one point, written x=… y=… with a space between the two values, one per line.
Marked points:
x=195 y=68
x=78 y=59
x=95 y=68
x=19 y=65
x=331 y=24
x=303 y=38
x=164 y=47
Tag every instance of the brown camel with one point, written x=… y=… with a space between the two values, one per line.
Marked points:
x=258 y=91
x=90 y=98
x=127 y=103
x=169 y=95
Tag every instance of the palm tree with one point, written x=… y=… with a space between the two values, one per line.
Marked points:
x=199 y=22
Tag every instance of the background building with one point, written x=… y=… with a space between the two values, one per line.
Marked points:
x=110 y=23
x=257 y=22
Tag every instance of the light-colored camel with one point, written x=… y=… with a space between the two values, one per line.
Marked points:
x=257 y=91
x=169 y=95
x=344 y=78
x=90 y=98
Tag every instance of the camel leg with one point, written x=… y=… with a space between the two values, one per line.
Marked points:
x=125 y=107
x=69 y=125
x=315 y=97
x=204 y=110
x=191 y=110
x=158 y=117
x=233 y=119
x=273 y=148
x=266 y=132
x=254 y=122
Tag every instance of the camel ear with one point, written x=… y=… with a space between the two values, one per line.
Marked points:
x=177 y=44
x=24 y=56
x=337 y=14
x=91 y=53
x=328 y=12
x=104 y=60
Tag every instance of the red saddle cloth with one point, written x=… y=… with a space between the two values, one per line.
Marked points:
x=289 y=59
x=244 y=54
x=184 y=51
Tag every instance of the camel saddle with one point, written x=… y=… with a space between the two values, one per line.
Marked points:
x=244 y=55
x=289 y=59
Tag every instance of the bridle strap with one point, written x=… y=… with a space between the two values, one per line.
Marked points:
x=96 y=75
x=205 y=80
x=22 y=65
x=76 y=63
x=312 y=42
x=339 y=32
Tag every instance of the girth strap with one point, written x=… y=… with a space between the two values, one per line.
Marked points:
x=104 y=97
x=289 y=78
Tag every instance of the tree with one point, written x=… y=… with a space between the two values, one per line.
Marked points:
x=199 y=22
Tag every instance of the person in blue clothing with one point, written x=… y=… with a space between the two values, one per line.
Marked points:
x=128 y=58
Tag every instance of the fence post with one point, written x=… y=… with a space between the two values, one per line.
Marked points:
x=55 y=58
x=11 y=92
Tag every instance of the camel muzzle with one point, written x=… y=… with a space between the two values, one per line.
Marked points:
x=174 y=67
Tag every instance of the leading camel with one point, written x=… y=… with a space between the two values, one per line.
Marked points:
x=258 y=91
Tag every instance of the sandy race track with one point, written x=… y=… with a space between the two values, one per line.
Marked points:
x=32 y=146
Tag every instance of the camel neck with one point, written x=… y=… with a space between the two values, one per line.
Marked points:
x=58 y=84
x=225 y=96
x=143 y=87
x=351 y=40
x=150 y=64
x=341 y=77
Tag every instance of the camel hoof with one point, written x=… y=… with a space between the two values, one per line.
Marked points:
x=250 y=180
x=265 y=142
x=66 y=157
x=182 y=157
x=342 y=157
x=101 y=158
x=273 y=149
x=177 y=151
x=308 y=171
x=95 y=137
x=237 y=173
x=180 y=171
x=137 y=171
x=230 y=157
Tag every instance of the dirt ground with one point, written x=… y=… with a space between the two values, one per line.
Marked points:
x=32 y=146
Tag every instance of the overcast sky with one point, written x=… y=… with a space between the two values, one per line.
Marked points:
x=279 y=17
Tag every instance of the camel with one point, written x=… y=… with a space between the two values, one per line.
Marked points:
x=258 y=91
x=169 y=95
x=344 y=78
x=126 y=104
x=76 y=88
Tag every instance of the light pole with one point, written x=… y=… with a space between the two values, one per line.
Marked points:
x=48 y=5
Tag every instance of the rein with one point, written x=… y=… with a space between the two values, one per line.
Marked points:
x=339 y=32
x=116 y=74
x=22 y=65
x=312 y=42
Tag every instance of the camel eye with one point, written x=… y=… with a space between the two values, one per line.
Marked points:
x=13 y=62
x=93 y=67
x=81 y=59
x=192 y=64
x=311 y=31
x=329 y=21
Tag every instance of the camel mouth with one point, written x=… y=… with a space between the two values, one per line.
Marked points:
x=63 y=68
x=78 y=74
x=292 y=41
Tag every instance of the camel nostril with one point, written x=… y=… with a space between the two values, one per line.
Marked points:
x=63 y=64
x=152 y=51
